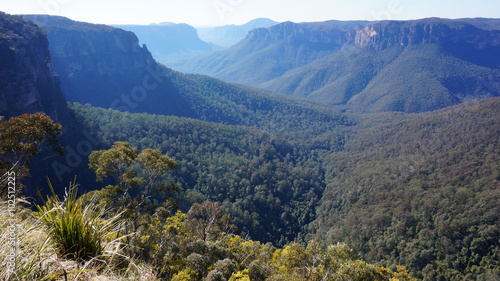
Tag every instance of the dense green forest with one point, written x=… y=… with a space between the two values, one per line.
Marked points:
x=233 y=183
x=420 y=190
x=269 y=186
x=130 y=229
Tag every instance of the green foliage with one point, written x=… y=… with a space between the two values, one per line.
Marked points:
x=268 y=185
x=115 y=162
x=401 y=275
x=240 y=276
x=398 y=185
x=154 y=163
x=21 y=139
x=226 y=267
x=421 y=192
x=206 y=221
x=139 y=175
x=215 y=275
x=132 y=169
x=180 y=255
x=259 y=271
x=337 y=262
x=77 y=230
x=185 y=275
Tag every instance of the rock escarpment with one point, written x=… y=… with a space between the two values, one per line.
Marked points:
x=106 y=67
x=386 y=34
x=411 y=66
x=27 y=84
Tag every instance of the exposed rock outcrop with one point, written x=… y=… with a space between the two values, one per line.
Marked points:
x=382 y=35
x=410 y=66
x=105 y=66
x=27 y=84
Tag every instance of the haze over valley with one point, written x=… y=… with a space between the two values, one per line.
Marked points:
x=263 y=150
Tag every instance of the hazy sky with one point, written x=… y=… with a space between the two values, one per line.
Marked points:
x=221 y=12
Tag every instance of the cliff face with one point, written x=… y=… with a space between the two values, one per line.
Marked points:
x=327 y=35
x=83 y=52
x=170 y=42
x=387 y=34
x=410 y=66
x=106 y=67
x=26 y=81
x=105 y=49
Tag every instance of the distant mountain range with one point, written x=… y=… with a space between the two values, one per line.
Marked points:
x=419 y=190
x=228 y=35
x=124 y=76
x=409 y=66
x=169 y=42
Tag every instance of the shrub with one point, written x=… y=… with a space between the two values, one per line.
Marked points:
x=257 y=271
x=226 y=267
x=34 y=247
x=215 y=275
x=186 y=275
x=79 y=232
x=240 y=276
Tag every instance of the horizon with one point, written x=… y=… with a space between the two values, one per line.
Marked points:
x=210 y=13
x=209 y=26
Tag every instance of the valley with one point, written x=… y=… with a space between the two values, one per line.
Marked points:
x=370 y=67
x=380 y=135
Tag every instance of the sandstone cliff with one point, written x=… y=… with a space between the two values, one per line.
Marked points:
x=27 y=84
x=106 y=67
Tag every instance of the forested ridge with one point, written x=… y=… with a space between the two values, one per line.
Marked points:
x=410 y=66
x=218 y=181
x=419 y=190
x=269 y=186
x=422 y=192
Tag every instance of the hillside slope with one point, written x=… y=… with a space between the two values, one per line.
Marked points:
x=228 y=35
x=410 y=66
x=422 y=192
x=125 y=77
x=270 y=186
x=419 y=190
x=267 y=53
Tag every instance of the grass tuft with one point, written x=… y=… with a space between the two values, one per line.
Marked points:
x=77 y=230
x=34 y=248
x=67 y=240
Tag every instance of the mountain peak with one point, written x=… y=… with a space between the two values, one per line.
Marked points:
x=229 y=35
x=163 y=24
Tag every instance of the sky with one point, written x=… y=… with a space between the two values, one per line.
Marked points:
x=224 y=12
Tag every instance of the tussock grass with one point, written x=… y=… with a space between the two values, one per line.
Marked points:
x=35 y=248
x=66 y=240
x=78 y=231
